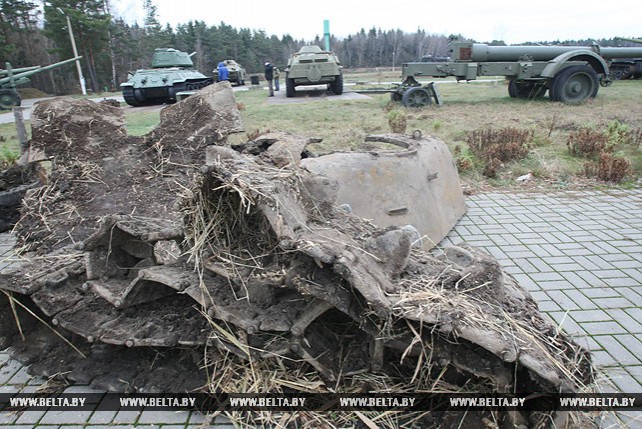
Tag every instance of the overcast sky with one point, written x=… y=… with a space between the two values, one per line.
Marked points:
x=483 y=20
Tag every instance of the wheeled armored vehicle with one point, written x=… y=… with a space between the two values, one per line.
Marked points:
x=313 y=66
x=236 y=71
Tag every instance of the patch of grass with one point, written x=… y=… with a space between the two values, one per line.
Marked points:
x=139 y=123
x=344 y=124
x=9 y=144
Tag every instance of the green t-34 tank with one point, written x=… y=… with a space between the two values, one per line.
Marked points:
x=312 y=66
x=170 y=74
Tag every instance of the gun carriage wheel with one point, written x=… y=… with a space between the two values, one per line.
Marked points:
x=574 y=84
x=416 y=97
x=9 y=99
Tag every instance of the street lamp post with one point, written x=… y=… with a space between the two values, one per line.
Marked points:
x=83 y=88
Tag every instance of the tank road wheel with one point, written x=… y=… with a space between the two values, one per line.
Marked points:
x=9 y=99
x=416 y=97
x=574 y=85
x=128 y=95
x=289 y=87
x=526 y=90
x=337 y=85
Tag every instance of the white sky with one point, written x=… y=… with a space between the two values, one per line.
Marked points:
x=483 y=20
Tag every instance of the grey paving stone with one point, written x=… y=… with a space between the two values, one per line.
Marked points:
x=632 y=344
x=548 y=306
x=602 y=359
x=599 y=292
x=595 y=315
x=8 y=369
x=622 y=282
x=197 y=418
x=126 y=417
x=605 y=303
x=65 y=417
x=562 y=300
x=541 y=265
x=8 y=418
x=102 y=417
x=581 y=300
x=21 y=377
x=603 y=328
x=632 y=325
x=546 y=277
x=567 y=324
x=620 y=353
x=164 y=417
x=525 y=265
x=30 y=417
x=626 y=383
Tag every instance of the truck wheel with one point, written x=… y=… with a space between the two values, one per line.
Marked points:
x=337 y=85
x=416 y=97
x=574 y=85
x=9 y=99
x=525 y=90
x=289 y=87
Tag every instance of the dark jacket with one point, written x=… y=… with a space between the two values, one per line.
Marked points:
x=269 y=71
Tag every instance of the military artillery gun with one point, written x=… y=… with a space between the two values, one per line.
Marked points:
x=571 y=74
x=626 y=68
x=10 y=78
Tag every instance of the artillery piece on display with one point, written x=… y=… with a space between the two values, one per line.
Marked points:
x=570 y=74
x=171 y=73
x=10 y=78
x=626 y=68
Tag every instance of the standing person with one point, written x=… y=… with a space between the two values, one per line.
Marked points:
x=269 y=76
x=223 y=72
x=277 y=73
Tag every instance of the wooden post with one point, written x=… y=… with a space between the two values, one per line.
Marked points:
x=20 y=129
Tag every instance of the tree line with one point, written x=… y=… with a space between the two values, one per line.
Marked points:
x=111 y=47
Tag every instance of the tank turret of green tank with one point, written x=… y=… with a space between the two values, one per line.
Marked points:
x=172 y=72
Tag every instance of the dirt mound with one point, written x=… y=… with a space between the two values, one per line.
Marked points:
x=97 y=170
x=259 y=276
x=26 y=93
x=14 y=184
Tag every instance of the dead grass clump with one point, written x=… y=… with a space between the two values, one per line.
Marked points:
x=588 y=143
x=495 y=147
x=398 y=121
x=253 y=135
x=609 y=168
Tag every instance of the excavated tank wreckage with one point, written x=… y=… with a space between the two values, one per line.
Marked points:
x=165 y=259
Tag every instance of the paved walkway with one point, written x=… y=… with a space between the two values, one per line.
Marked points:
x=578 y=253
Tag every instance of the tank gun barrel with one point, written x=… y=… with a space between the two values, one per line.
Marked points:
x=479 y=52
x=4 y=72
x=630 y=40
x=20 y=76
x=192 y=54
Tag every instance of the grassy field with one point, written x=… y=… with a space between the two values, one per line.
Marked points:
x=343 y=124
